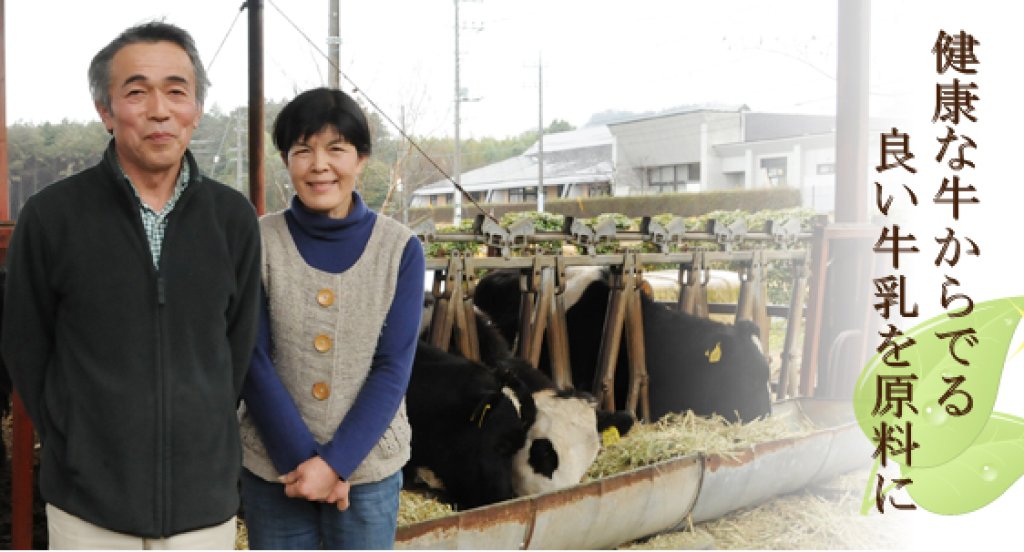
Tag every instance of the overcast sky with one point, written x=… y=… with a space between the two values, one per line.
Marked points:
x=597 y=55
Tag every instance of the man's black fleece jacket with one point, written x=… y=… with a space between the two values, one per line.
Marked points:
x=132 y=373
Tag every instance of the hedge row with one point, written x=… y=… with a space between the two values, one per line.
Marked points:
x=680 y=204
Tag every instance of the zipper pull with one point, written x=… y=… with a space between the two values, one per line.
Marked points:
x=161 y=296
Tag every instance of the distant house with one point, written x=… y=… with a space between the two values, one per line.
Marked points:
x=686 y=150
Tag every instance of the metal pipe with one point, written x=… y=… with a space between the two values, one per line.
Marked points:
x=637 y=401
x=443 y=316
x=787 y=372
x=5 y=203
x=527 y=295
x=472 y=339
x=541 y=313
x=256 y=172
x=21 y=477
x=558 y=334
x=611 y=338
x=752 y=304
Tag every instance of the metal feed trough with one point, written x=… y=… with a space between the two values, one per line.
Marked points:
x=661 y=497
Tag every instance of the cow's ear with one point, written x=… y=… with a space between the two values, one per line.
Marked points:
x=622 y=421
x=484 y=407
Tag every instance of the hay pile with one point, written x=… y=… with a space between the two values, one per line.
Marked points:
x=241 y=536
x=414 y=507
x=673 y=436
x=681 y=434
x=819 y=518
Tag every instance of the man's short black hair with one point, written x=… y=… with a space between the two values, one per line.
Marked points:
x=151 y=32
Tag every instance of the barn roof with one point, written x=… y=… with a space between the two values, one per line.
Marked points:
x=570 y=157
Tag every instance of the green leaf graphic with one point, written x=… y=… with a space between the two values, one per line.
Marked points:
x=943 y=436
x=978 y=476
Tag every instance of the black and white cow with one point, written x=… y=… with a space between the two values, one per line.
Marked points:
x=491 y=458
x=693 y=363
x=566 y=435
x=468 y=421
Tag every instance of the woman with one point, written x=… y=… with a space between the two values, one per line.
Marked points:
x=324 y=428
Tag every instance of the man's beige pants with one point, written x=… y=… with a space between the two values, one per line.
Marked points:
x=68 y=532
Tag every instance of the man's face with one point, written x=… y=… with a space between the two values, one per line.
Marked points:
x=153 y=107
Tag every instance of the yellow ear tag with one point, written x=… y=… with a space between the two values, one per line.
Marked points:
x=714 y=355
x=610 y=436
x=483 y=413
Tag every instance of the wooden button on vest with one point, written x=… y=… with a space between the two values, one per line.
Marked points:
x=322 y=343
x=325 y=297
x=321 y=391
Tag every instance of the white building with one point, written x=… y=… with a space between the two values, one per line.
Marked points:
x=686 y=150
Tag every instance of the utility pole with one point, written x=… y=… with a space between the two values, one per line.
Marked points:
x=540 y=135
x=333 y=44
x=401 y=169
x=457 y=214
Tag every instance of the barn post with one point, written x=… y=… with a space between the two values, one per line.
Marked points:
x=845 y=283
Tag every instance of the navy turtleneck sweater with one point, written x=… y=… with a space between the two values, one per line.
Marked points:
x=334 y=245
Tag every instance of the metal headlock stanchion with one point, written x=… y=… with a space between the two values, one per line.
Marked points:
x=558 y=333
x=543 y=278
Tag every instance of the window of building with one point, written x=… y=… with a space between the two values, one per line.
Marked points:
x=523 y=195
x=826 y=168
x=599 y=189
x=774 y=171
x=683 y=177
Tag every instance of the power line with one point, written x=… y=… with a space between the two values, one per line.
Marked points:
x=226 y=35
x=390 y=121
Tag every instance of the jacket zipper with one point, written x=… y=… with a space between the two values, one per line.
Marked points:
x=162 y=496
x=162 y=440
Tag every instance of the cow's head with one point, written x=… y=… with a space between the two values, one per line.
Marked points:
x=563 y=441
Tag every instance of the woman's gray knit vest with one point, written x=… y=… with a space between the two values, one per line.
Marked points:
x=324 y=328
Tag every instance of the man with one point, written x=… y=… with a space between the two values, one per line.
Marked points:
x=131 y=314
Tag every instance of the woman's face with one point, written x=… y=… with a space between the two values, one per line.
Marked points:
x=323 y=168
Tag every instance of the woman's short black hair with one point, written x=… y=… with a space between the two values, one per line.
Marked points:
x=319 y=108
